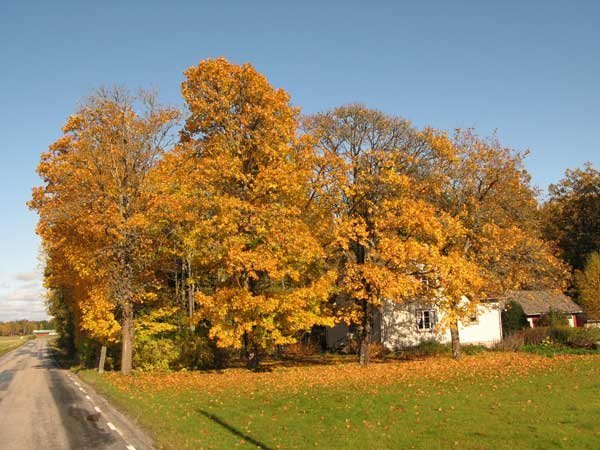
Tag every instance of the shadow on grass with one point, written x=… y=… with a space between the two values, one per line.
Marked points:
x=233 y=430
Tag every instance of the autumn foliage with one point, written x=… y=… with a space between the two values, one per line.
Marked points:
x=257 y=224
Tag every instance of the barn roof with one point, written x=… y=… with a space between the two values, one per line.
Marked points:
x=541 y=302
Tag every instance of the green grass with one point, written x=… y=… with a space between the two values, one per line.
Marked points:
x=553 y=405
x=8 y=343
x=554 y=350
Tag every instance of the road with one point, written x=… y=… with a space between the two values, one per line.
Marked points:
x=44 y=407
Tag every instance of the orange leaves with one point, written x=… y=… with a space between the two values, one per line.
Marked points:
x=93 y=206
x=344 y=375
x=242 y=178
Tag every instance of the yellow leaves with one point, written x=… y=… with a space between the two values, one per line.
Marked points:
x=74 y=122
x=156 y=322
x=97 y=316
x=93 y=207
x=300 y=379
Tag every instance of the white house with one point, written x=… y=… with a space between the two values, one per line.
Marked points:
x=399 y=325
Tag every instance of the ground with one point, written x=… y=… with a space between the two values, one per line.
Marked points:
x=494 y=400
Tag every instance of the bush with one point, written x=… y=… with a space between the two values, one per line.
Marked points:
x=154 y=354
x=511 y=342
x=300 y=349
x=553 y=318
x=429 y=347
x=377 y=350
x=553 y=349
x=87 y=351
x=513 y=318
x=535 y=336
x=198 y=351
x=474 y=349
x=576 y=337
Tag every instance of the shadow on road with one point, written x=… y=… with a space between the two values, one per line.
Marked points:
x=83 y=432
x=233 y=430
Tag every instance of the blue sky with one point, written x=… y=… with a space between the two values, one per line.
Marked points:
x=528 y=69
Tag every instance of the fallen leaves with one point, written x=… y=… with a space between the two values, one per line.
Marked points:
x=300 y=379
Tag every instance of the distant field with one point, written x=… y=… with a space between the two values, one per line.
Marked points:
x=8 y=343
x=495 y=400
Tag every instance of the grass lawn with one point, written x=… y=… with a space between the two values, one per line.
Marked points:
x=486 y=401
x=8 y=343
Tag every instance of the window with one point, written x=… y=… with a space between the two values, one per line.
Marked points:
x=473 y=318
x=426 y=319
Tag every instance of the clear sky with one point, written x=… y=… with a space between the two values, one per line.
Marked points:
x=529 y=69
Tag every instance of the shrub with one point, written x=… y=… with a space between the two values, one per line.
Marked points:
x=553 y=318
x=87 y=351
x=551 y=350
x=474 y=349
x=511 y=342
x=154 y=354
x=430 y=347
x=377 y=350
x=198 y=351
x=535 y=336
x=513 y=318
x=300 y=349
x=351 y=347
x=576 y=337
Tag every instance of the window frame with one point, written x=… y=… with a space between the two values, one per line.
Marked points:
x=421 y=320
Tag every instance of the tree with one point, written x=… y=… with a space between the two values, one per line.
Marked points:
x=513 y=318
x=92 y=207
x=486 y=188
x=572 y=214
x=370 y=175
x=587 y=282
x=244 y=177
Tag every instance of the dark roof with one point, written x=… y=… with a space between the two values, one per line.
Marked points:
x=541 y=302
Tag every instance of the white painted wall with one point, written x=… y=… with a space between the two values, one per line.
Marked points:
x=399 y=326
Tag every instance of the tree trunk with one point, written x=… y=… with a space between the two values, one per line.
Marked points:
x=253 y=362
x=102 y=359
x=455 y=340
x=365 y=335
x=191 y=291
x=127 y=331
x=250 y=353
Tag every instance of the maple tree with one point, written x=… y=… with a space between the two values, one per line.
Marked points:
x=241 y=174
x=92 y=207
x=371 y=174
x=486 y=188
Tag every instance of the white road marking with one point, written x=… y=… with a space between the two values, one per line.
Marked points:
x=98 y=410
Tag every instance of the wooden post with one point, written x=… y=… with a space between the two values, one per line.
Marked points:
x=102 y=359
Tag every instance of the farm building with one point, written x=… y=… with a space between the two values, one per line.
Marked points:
x=44 y=333
x=537 y=303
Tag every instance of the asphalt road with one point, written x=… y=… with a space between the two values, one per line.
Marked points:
x=43 y=407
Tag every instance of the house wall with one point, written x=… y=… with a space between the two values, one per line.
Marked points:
x=399 y=326
x=534 y=319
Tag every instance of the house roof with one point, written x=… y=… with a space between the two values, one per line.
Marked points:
x=540 y=302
